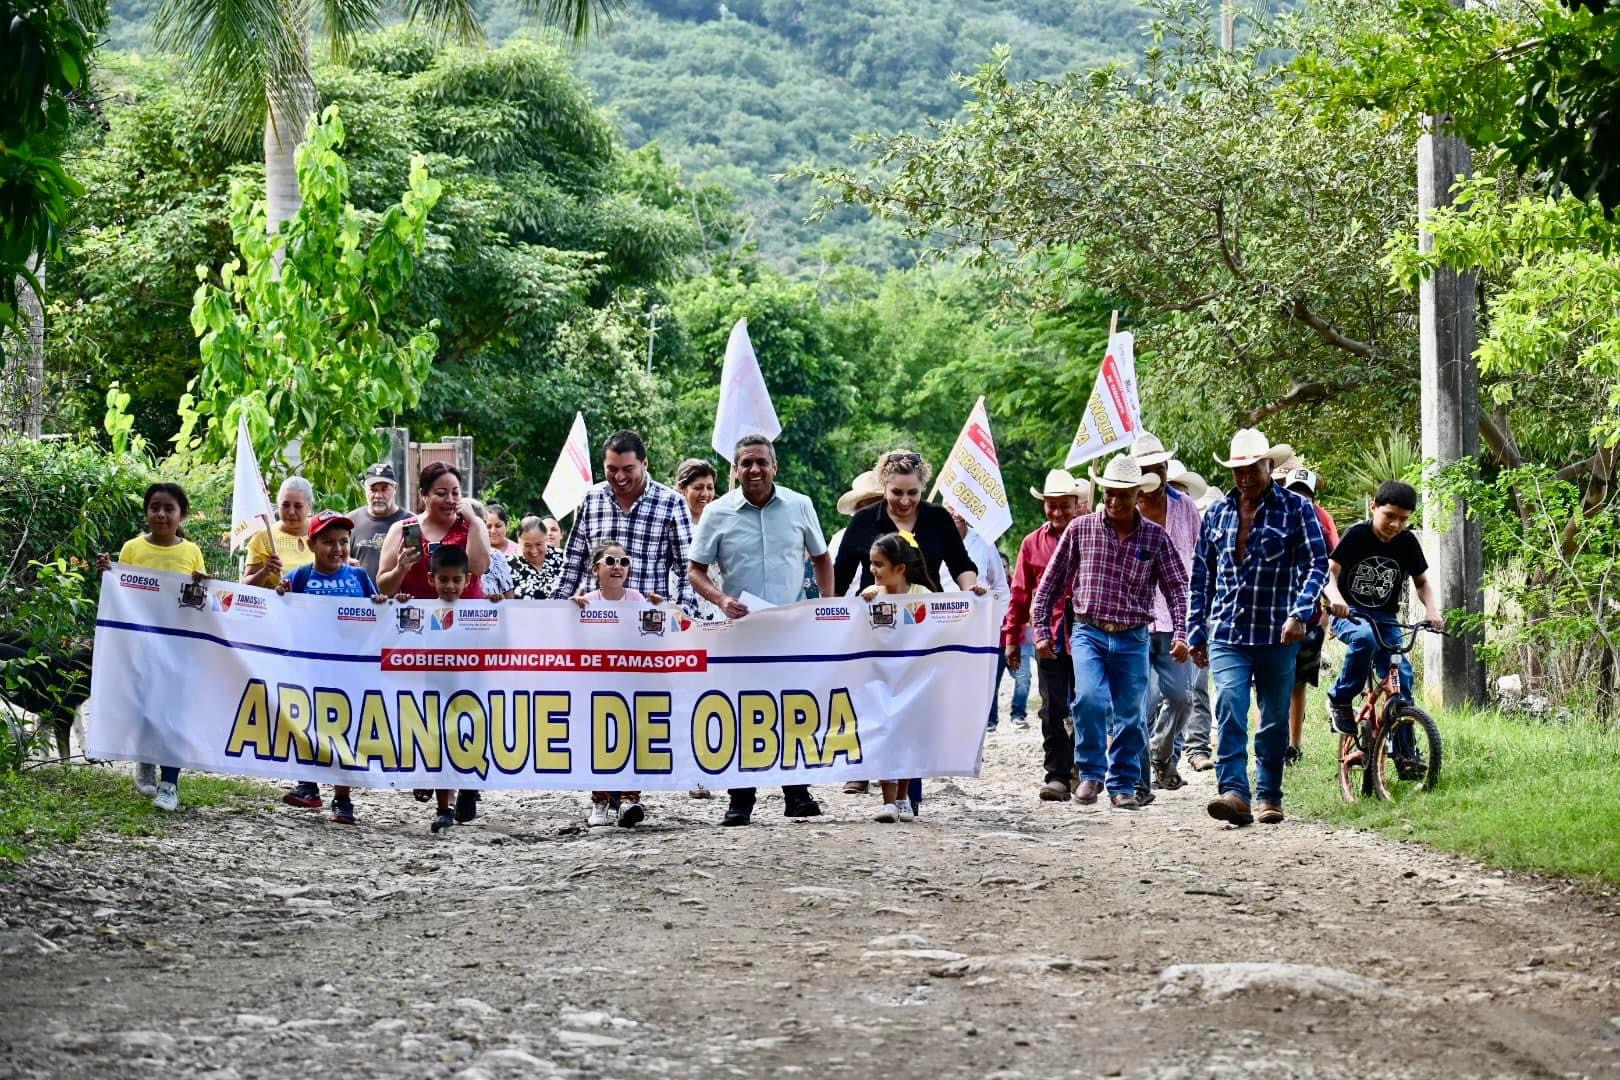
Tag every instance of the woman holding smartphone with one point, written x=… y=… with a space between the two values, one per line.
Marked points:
x=444 y=518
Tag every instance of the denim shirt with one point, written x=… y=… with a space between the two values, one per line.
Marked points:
x=1282 y=574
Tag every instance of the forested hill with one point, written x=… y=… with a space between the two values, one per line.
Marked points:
x=740 y=90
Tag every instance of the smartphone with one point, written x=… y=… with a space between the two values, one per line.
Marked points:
x=413 y=535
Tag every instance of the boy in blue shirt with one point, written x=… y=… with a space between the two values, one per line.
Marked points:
x=332 y=575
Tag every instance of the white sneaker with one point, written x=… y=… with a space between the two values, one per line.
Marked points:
x=599 y=815
x=167 y=798
x=889 y=814
x=146 y=779
x=907 y=812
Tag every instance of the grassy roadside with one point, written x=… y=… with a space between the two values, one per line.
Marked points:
x=1513 y=793
x=61 y=805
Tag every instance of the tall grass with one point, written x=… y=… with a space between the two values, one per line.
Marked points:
x=1514 y=793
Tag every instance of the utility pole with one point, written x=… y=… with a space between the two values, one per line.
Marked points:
x=1452 y=673
x=652 y=334
x=1228 y=25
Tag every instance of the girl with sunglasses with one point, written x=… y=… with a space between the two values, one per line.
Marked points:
x=610 y=562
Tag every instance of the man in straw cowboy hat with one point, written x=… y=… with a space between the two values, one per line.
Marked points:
x=1169 y=698
x=1257 y=577
x=1062 y=497
x=1110 y=564
x=864 y=490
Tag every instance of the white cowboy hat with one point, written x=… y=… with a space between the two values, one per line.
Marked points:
x=1294 y=461
x=1251 y=445
x=1060 y=483
x=1196 y=485
x=1123 y=473
x=864 y=488
x=1149 y=451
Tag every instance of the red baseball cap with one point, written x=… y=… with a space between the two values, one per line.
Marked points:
x=326 y=519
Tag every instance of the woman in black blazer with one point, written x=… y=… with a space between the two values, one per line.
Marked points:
x=903 y=476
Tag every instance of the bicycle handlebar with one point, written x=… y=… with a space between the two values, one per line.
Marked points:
x=1405 y=644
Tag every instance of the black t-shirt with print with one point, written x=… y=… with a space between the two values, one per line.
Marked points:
x=1373 y=573
x=366 y=541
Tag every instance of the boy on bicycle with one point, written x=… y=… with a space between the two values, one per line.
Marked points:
x=1367 y=574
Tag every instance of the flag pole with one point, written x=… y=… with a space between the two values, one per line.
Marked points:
x=1113 y=323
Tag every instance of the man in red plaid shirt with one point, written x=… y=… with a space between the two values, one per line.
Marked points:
x=1110 y=563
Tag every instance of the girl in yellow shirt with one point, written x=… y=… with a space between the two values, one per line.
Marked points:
x=162 y=547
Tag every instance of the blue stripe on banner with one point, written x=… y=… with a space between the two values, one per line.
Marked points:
x=342 y=658
x=867 y=655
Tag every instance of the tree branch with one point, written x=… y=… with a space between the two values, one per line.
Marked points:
x=1299 y=394
x=1498 y=435
x=1327 y=331
x=1234 y=260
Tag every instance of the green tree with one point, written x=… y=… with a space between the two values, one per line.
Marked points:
x=1241 y=229
x=252 y=62
x=44 y=60
x=300 y=350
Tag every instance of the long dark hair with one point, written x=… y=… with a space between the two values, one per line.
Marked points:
x=901 y=551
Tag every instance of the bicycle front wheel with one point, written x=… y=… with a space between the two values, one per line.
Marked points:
x=1407 y=759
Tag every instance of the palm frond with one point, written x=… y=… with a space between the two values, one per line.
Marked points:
x=246 y=55
x=448 y=18
x=577 y=18
x=343 y=21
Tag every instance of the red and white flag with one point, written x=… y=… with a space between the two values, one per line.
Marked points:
x=1113 y=416
x=571 y=476
x=970 y=479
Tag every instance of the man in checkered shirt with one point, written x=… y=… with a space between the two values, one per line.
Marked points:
x=649 y=519
x=1257 y=577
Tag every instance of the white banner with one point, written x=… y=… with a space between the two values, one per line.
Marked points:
x=1113 y=416
x=571 y=476
x=536 y=694
x=250 y=502
x=971 y=478
x=745 y=402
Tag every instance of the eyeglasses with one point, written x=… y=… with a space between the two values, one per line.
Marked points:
x=615 y=560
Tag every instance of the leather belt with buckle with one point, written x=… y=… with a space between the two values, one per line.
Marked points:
x=1109 y=627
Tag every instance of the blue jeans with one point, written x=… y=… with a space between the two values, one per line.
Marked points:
x=1021 y=678
x=1168 y=703
x=1110 y=681
x=1363 y=654
x=1269 y=669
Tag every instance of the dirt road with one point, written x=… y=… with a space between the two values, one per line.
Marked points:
x=996 y=936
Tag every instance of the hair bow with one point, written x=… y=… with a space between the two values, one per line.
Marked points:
x=910 y=539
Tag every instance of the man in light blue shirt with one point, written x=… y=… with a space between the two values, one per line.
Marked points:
x=757 y=535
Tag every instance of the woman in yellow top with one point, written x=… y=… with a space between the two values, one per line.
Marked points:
x=295 y=502
x=162 y=547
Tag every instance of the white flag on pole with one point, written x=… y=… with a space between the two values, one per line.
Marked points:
x=745 y=403
x=571 y=476
x=971 y=478
x=1113 y=416
x=250 y=502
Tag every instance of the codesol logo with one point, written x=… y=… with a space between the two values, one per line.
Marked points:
x=139 y=581
x=598 y=617
x=832 y=614
x=346 y=613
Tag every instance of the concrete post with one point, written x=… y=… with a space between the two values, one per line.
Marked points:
x=398 y=455
x=1228 y=25
x=464 y=460
x=1452 y=673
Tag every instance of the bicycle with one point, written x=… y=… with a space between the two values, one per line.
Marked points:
x=1395 y=751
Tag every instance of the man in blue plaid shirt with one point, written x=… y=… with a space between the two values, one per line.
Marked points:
x=649 y=519
x=1257 y=577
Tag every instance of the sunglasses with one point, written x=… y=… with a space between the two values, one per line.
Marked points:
x=615 y=560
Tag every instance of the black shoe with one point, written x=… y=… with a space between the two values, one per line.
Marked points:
x=1342 y=719
x=1292 y=756
x=466 y=806
x=1144 y=796
x=1412 y=767
x=803 y=808
x=738 y=815
x=441 y=821
x=631 y=814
